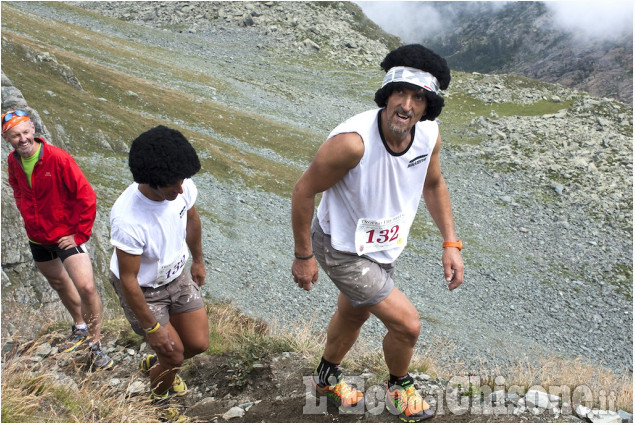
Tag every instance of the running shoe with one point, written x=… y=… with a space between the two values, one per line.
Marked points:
x=99 y=359
x=77 y=337
x=178 y=389
x=147 y=362
x=159 y=399
x=405 y=401
x=347 y=399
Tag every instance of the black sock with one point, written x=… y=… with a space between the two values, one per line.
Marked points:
x=325 y=371
x=402 y=381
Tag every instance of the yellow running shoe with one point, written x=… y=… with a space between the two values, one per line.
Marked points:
x=147 y=362
x=179 y=387
x=159 y=399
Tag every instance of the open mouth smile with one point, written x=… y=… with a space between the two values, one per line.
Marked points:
x=403 y=117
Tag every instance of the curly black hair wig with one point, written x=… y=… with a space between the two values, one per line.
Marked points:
x=416 y=56
x=161 y=157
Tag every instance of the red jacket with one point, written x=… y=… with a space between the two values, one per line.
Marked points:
x=60 y=202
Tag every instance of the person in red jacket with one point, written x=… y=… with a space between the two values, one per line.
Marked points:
x=58 y=207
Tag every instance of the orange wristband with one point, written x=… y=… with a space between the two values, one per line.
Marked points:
x=450 y=244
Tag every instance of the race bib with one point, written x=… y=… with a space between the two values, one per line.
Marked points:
x=380 y=235
x=168 y=272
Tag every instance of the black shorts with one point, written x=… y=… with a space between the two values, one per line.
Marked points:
x=43 y=253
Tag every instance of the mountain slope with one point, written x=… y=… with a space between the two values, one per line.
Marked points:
x=523 y=38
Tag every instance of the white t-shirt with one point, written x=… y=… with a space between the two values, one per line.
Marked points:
x=371 y=209
x=154 y=230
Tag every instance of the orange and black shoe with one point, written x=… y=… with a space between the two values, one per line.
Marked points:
x=341 y=395
x=405 y=401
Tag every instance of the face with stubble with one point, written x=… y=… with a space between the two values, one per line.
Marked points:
x=22 y=138
x=404 y=108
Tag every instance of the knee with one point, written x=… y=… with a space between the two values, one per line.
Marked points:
x=196 y=347
x=173 y=360
x=195 y=344
x=86 y=290
x=414 y=329
x=409 y=330
x=202 y=347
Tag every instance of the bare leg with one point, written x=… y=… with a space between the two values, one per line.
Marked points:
x=190 y=332
x=80 y=271
x=343 y=329
x=193 y=329
x=61 y=282
x=163 y=371
x=402 y=321
x=398 y=315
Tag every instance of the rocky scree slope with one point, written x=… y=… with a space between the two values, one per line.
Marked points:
x=338 y=29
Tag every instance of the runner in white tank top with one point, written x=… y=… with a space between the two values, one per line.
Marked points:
x=375 y=222
x=373 y=170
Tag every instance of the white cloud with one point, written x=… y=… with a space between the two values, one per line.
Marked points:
x=414 y=21
x=409 y=20
x=593 y=19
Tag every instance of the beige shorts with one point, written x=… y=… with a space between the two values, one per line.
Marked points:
x=182 y=295
x=363 y=281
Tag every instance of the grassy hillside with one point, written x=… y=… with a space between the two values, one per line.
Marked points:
x=119 y=102
x=256 y=118
x=130 y=86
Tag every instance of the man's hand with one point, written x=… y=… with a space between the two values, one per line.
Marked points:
x=198 y=272
x=161 y=341
x=67 y=242
x=452 y=267
x=305 y=272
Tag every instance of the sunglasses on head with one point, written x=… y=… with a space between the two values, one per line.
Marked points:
x=17 y=113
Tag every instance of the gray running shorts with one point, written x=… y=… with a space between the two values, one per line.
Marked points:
x=362 y=280
x=182 y=295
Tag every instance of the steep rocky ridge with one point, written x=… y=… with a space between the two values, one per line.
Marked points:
x=522 y=38
x=529 y=165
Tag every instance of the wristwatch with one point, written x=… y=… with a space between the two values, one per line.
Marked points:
x=451 y=244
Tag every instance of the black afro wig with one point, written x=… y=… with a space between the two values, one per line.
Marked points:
x=161 y=157
x=416 y=56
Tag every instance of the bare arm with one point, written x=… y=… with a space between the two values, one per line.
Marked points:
x=333 y=160
x=437 y=198
x=193 y=240
x=129 y=265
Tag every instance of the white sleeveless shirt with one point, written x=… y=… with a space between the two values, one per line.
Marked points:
x=371 y=209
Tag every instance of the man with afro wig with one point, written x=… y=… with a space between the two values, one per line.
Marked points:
x=373 y=169
x=154 y=228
